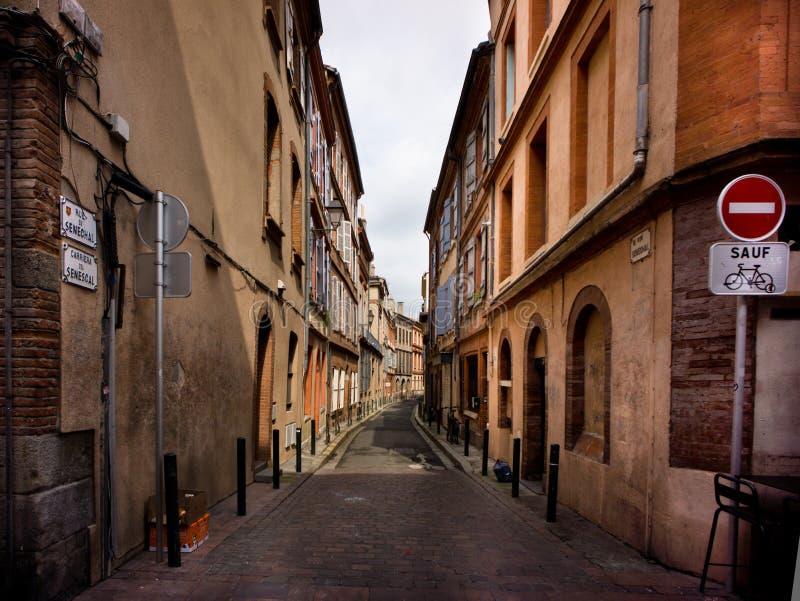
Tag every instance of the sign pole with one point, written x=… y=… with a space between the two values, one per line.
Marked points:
x=736 y=434
x=159 y=286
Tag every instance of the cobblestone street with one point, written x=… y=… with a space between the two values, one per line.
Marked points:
x=387 y=517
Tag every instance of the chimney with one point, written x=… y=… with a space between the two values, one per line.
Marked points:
x=400 y=308
x=372 y=270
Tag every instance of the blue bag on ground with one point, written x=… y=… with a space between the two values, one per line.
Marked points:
x=502 y=471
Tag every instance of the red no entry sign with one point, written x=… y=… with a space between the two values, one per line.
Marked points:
x=751 y=207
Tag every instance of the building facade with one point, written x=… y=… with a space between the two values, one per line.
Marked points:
x=611 y=144
x=108 y=105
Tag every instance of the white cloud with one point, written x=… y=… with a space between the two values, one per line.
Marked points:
x=402 y=67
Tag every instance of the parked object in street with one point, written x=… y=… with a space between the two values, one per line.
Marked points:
x=502 y=471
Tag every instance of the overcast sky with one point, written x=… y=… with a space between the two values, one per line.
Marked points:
x=402 y=66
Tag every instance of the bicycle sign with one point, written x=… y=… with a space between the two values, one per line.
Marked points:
x=748 y=268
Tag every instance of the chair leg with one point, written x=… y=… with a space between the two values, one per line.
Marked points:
x=708 y=551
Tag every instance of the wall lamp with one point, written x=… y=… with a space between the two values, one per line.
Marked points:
x=335 y=214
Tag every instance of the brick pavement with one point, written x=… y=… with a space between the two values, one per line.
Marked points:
x=407 y=531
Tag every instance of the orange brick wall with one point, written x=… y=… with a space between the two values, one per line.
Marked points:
x=736 y=83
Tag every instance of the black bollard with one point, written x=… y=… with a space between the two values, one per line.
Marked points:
x=552 y=483
x=313 y=437
x=298 y=463
x=430 y=416
x=241 y=494
x=466 y=437
x=515 y=469
x=276 y=459
x=485 y=462
x=438 y=422
x=171 y=500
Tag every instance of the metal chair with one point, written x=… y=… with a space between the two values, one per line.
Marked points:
x=739 y=499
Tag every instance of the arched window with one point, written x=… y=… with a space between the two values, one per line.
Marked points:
x=272 y=159
x=588 y=399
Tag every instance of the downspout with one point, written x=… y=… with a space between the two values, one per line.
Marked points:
x=639 y=162
x=9 y=324
x=309 y=238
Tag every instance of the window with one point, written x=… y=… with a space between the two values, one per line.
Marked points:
x=536 y=198
x=272 y=159
x=509 y=72
x=444 y=228
x=592 y=113
x=506 y=230
x=588 y=400
x=297 y=210
x=470 y=168
x=484 y=256
x=469 y=260
x=270 y=20
x=290 y=369
x=345 y=242
x=538 y=22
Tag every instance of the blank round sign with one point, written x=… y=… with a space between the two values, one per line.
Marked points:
x=176 y=222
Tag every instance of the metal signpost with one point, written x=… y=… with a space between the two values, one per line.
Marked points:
x=751 y=209
x=162 y=225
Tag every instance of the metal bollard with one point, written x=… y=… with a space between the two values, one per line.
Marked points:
x=313 y=437
x=276 y=459
x=241 y=491
x=552 y=483
x=438 y=422
x=485 y=461
x=515 y=469
x=298 y=462
x=171 y=501
x=466 y=437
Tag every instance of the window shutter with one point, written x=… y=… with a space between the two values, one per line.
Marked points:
x=347 y=244
x=290 y=40
x=470 y=164
x=485 y=138
x=484 y=257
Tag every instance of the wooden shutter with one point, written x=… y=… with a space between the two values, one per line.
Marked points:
x=485 y=137
x=470 y=174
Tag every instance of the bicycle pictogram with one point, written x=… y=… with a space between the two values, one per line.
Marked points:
x=751 y=277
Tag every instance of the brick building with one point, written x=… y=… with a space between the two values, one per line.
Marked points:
x=616 y=125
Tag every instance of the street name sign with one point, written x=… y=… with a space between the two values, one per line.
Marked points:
x=77 y=223
x=78 y=267
x=757 y=269
x=751 y=207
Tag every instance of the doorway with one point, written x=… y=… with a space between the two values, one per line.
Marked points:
x=535 y=416
x=262 y=403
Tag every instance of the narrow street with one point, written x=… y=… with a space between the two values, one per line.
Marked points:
x=388 y=517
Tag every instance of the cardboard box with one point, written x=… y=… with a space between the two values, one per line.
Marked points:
x=191 y=507
x=192 y=536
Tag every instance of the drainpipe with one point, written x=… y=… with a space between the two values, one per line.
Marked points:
x=309 y=238
x=639 y=162
x=9 y=324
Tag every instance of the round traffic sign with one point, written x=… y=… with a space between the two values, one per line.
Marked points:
x=176 y=222
x=751 y=207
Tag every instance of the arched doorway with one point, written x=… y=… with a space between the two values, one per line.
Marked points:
x=504 y=405
x=535 y=412
x=262 y=402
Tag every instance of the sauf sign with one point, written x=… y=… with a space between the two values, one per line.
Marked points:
x=750 y=208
